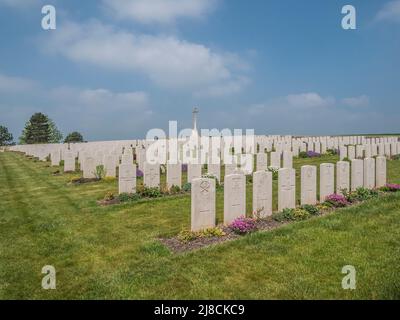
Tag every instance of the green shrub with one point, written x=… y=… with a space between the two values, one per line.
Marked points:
x=291 y=215
x=109 y=196
x=303 y=154
x=212 y=232
x=100 y=172
x=187 y=187
x=346 y=159
x=363 y=194
x=127 y=197
x=186 y=236
x=300 y=214
x=174 y=190
x=285 y=215
x=275 y=172
x=396 y=157
x=150 y=192
x=312 y=210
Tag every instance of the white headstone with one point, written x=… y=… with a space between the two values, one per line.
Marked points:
x=327 y=180
x=357 y=174
x=308 y=185
x=275 y=159
x=287 y=159
x=194 y=171
x=69 y=161
x=151 y=175
x=342 y=176
x=286 y=188
x=127 y=178
x=262 y=193
x=234 y=197
x=261 y=162
x=174 y=175
x=380 y=172
x=369 y=173
x=202 y=204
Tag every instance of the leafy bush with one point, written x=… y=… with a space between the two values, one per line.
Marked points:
x=303 y=154
x=390 y=187
x=150 y=192
x=286 y=215
x=332 y=152
x=300 y=214
x=187 y=187
x=100 y=172
x=174 y=190
x=274 y=171
x=336 y=201
x=363 y=194
x=126 y=197
x=312 y=210
x=243 y=225
x=186 y=236
x=291 y=215
x=212 y=232
x=396 y=157
x=109 y=196
x=346 y=159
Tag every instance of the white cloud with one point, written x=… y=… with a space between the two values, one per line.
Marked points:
x=15 y=84
x=390 y=12
x=360 y=101
x=309 y=100
x=159 y=11
x=167 y=61
x=98 y=99
x=18 y=4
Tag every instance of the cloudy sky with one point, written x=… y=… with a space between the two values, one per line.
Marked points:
x=113 y=69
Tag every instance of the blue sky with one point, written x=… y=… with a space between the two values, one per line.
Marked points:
x=113 y=69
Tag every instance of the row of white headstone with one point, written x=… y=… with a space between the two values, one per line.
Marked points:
x=369 y=173
x=369 y=150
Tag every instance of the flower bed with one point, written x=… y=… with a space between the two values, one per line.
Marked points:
x=187 y=240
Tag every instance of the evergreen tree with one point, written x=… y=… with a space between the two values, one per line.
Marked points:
x=74 y=137
x=40 y=129
x=55 y=134
x=6 y=137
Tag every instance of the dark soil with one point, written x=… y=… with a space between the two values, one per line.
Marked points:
x=84 y=180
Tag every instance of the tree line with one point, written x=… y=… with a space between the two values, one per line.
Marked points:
x=38 y=129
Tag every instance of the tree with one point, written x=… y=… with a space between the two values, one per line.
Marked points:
x=73 y=137
x=40 y=129
x=6 y=137
x=55 y=134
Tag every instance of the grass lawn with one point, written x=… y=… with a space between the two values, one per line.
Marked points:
x=113 y=252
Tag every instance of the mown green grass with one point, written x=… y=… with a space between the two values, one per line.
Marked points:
x=113 y=252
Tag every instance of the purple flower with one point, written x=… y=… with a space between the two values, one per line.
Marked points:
x=139 y=173
x=184 y=168
x=393 y=187
x=243 y=225
x=313 y=154
x=337 y=200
